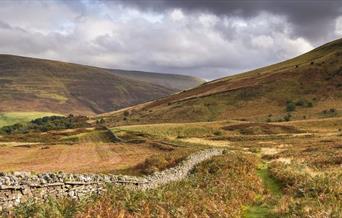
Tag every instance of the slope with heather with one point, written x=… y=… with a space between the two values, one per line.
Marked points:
x=172 y=81
x=29 y=84
x=308 y=86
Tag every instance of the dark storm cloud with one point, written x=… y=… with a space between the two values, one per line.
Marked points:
x=205 y=38
x=312 y=19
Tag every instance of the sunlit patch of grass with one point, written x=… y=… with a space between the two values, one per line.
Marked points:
x=53 y=96
x=10 y=118
x=269 y=182
x=174 y=130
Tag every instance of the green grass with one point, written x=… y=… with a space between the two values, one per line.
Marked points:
x=173 y=130
x=97 y=136
x=269 y=182
x=10 y=118
x=263 y=209
x=256 y=212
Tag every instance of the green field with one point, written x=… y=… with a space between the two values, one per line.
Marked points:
x=10 y=118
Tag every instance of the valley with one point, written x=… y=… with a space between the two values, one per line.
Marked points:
x=278 y=131
x=306 y=87
x=38 y=85
x=281 y=158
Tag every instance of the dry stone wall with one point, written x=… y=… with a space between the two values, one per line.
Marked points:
x=18 y=187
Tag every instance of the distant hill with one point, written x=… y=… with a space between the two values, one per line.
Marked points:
x=172 y=81
x=29 y=84
x=308 y=86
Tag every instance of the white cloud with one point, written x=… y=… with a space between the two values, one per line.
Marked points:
x=338 y=29
x=200 y=44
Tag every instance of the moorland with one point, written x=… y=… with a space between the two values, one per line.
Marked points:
x=280 y=126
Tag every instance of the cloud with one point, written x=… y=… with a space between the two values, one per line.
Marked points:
x=205 y=40
x=313 y=20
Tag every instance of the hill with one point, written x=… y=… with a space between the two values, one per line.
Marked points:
x=307 y=86
x=172 y=81
x=29 y=84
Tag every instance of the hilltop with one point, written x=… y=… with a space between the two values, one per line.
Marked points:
x=307 y=86
x=30 y=84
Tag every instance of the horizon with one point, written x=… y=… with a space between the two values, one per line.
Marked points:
x=204 y=39
x=166 y=73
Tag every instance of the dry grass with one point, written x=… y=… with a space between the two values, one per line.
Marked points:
x=217 y=188
x=304 y=167
x=73 y=158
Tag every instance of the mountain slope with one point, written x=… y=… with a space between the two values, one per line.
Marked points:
x=172 y=81
x=312 y=82
x=29 y=84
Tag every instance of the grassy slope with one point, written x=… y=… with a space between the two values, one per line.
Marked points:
x=11 y=118
x=315 y=76
x=172 y=81
x=28 y=84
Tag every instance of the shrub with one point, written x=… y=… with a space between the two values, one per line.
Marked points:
x=47 y=123
x=217 y=133
x=287 y=117
x=304 y=103
x=300 y=102
x=332 y=110
x=290 y=106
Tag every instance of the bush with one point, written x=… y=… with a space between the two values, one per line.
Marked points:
x=300 y=102
x=217 y=133
x=304 y=103
x=332 y=110
x=290 y=106
x=47 y=123
x=287 y=117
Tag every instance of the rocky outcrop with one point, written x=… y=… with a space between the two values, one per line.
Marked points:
x=19 y=187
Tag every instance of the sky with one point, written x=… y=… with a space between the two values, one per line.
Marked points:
x=202 y=38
